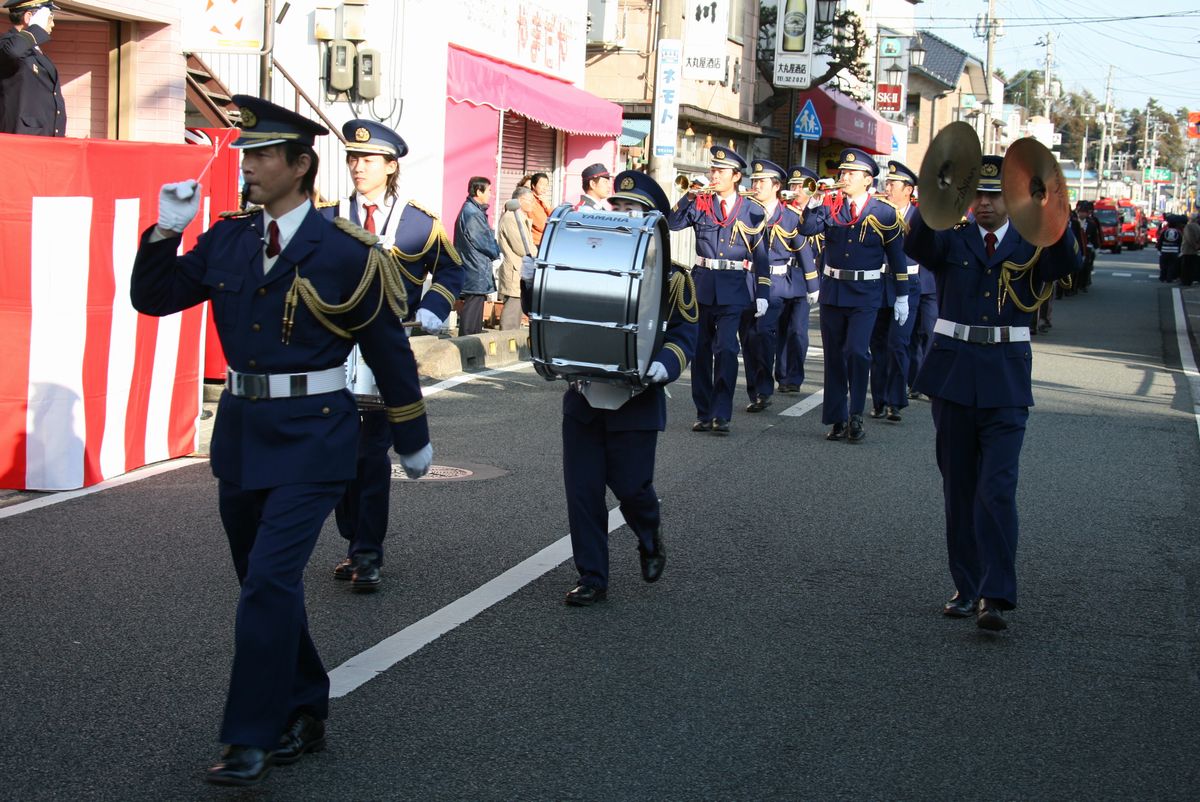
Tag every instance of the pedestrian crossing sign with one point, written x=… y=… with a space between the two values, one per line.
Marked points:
x=807 y=125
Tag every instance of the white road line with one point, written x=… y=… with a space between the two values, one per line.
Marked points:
x=368 y=664
x=808 y=404
x=132 y=476
x=1186 y=359
x=449 y=384
x=1122 y=275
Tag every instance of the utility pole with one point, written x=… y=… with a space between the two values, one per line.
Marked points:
x=987 y=75
x=670 y=26
x=1102 y=165
x=1048 y=97
x=1145 y=148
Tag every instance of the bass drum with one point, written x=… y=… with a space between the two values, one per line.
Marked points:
x=360 y=380
x=599 y=298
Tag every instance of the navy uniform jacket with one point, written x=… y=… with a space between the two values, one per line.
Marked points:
x=971 y=291
x=647 y=411
x=874 y=240
x=424 y=249
x=928 y=282
x=733 y=238
x=267 y=443
x=31 y=100
x=785 y=244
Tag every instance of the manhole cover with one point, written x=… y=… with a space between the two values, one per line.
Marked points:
x=451 y=473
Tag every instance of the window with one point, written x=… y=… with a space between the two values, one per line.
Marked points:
x=737 y=15
x=912 y=118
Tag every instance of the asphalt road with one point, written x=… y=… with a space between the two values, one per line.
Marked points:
x=794 y=648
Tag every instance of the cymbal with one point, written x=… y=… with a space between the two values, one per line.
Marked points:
x=949 y=175
x=1035 y=192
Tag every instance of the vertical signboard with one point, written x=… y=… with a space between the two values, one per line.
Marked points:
x=794 y=44
x=221 y=25
x=666 y=96
x=705 y=31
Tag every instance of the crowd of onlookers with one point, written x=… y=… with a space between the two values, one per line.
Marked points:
x=1179 y=249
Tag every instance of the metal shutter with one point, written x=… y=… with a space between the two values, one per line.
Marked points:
x=526 y=147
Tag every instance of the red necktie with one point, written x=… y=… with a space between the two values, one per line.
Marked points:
x=369 y=212
x=273 y=240
x=989 y=240
x=724 y=211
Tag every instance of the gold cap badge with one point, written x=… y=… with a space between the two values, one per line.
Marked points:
x=989 y=170
x=626 y=183
x=850 y=157
x=758 y=167
x=249 y=118
x=361 y=135
x=720 y=154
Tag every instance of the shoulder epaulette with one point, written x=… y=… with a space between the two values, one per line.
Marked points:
x=888 y=202
x=234 y=214
x=327 y=204
x=421 y=208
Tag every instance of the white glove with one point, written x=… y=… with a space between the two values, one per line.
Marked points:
x=417 y=464
x=41 y=18
x=656 y=373
x=901 y=309
x=760 y=307
x=430 y=322
x=178 y=204
x=812 y=297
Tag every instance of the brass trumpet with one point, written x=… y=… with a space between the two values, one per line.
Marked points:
x=683 y=182
x=808 y=185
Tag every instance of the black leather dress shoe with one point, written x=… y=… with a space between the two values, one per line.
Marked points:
x=837 y=432
x=366 y=576
x=877 y=412
x=893 y=414
x=702 y=426
x=958 y=607
x=240 y=765
x=758 y=404
x=307 y=734
x=855 y=433
x=989 y=617
x=789 y=388
x=653 y=562
x=914 y=395
x=720 y=426
x=585 y=596
x=344 y=570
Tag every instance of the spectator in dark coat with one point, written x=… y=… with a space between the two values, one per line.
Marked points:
x=477 y=246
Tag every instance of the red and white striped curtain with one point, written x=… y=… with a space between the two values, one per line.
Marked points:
x=90 y=389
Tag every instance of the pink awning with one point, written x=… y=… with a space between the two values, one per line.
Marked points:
x=845 y=119
x=472 y=78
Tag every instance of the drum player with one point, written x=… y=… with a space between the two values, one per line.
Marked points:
x=373 y=152
x=731 y=276
x=615 y=447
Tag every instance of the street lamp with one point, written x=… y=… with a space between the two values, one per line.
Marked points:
x=986 y=106
x=916 y=52
x=826 y=11
x=895 y=73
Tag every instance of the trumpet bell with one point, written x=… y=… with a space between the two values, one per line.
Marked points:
x=1035 y=192
x=949 y=175
x=683 y=182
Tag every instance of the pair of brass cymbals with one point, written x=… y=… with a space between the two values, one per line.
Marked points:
x=1031 y=183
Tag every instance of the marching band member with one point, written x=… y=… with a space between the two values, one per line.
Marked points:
x=615 y=447
x=760 y=335
x=286 y=429
x=799 y=289
x=731 y=274
x=891 y=339
x=864 y=248
x=416 y=234
x=978 y=377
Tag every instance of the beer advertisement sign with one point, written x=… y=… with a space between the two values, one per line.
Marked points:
x=794 y=44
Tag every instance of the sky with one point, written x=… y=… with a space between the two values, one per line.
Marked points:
x=1157 y=58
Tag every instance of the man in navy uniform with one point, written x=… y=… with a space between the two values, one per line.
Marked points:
x=31 y=98
x=978 y=377
x=615 y=447
x=891 y=339
x=760 y=335
x=420 y=242
x=731 y=274
x=286 y=427
x=799 y=289
x=864 y=249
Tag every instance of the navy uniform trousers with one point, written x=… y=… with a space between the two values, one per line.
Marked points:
x=760 y=346
x=715 y=369
x=890 y=343
x=793 y=341
x=271 y=534
x=925 y=313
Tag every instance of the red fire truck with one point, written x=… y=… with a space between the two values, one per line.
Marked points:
x=1110 y=218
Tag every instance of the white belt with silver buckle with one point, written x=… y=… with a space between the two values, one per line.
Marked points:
x=985 y=335
x=285 y=385
x=780 y=270
x=723 y=264
x=854 y=275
